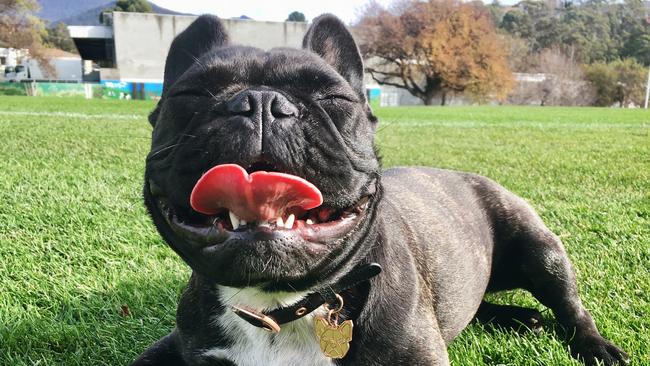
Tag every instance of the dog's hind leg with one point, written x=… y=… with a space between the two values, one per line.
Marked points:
x=528 y=255
x=550 y=278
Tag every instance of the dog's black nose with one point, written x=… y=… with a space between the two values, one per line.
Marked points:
x=262 y=105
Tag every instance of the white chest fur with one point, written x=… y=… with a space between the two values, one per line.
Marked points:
x=296 y=344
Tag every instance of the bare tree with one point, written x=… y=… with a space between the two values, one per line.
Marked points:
x=564 y=83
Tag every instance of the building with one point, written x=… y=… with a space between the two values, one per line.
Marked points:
x=17 y=65
x=65 y=67
x=9 y=59
x=127 y=54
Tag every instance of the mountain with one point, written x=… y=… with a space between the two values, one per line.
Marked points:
x=75 y=12
x=53 y=10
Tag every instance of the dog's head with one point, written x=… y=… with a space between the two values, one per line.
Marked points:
x=302 y=112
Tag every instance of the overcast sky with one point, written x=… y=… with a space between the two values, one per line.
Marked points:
x=275 y=10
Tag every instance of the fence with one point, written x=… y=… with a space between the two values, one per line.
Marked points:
x=108 y=89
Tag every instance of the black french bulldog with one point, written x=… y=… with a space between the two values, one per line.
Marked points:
x=443 y=238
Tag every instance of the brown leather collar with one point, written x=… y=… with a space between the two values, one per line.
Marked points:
x=272 y=320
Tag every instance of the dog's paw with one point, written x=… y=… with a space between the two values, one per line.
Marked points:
x=594 y=349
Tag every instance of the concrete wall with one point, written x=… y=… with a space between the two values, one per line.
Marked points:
x=142 y=40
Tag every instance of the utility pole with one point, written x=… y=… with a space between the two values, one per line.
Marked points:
x=647 y=90
x=647 y=87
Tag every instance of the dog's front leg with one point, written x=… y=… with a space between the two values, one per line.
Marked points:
x=410 y=338
x=434 y=348
x=162 y=353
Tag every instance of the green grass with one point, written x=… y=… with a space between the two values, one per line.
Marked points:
x=76 y=244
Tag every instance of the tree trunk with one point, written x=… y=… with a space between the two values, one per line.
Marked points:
x=443 y=99
x=427 y=100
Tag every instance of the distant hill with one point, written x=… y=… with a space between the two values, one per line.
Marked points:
x=75 y=12
x=53 y=10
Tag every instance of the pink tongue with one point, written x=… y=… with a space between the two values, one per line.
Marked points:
x=260 y=196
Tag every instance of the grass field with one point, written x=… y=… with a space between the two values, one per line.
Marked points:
x=76 y=244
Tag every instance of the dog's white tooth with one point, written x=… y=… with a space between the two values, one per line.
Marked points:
x=242 y=222
x=279 y=222
x=290 y=220
x=234 y=220
x=309 y=222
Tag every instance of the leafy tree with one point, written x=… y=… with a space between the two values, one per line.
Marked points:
x=296 y=16
x=520 y=57
x=496 y=11
x=129 y=6
x=585 y=33
x=638 y=47
x=588 y=30
x=133 y=6
x=533 y=21
x=434 y=48
x=631 y=81
x=59 y=37
x=603 y=78
x=620 y=82
x=20 y=28
x=630 y=28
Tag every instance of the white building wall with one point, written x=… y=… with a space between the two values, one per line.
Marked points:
x=142 y=40
x=66 y=69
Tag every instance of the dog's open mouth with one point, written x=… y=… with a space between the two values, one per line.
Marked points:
x=260 y=204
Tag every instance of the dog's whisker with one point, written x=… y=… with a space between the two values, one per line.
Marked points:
x=266 y=265
x=203 y=66
x=211 y=94
x=165 y=149
x=293 y=288
x=248 y=274
x=233 y=295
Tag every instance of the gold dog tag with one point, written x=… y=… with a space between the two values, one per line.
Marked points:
x=334 y=339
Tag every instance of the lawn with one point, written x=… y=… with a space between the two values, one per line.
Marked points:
x=86 y=280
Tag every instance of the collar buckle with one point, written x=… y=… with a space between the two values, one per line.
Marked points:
x=257 y=319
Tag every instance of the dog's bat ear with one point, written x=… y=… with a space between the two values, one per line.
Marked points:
x=204 y=34
x=330 y=39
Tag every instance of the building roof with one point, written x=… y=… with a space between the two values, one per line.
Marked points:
x=57 y=53
x=94 y=42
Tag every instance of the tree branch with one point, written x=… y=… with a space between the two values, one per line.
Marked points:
x=414 y=85
x=392 y=74
x=386 y=82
